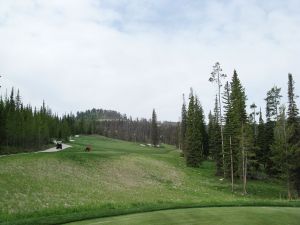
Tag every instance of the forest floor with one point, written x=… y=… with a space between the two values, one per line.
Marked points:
x=118 y=178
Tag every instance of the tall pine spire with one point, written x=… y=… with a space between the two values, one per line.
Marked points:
x=183 y=126
x=154 y=129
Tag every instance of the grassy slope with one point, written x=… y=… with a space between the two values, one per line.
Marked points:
x=117 y=177
x=205 y=216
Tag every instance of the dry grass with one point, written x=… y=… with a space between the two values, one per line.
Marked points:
x=139 y=172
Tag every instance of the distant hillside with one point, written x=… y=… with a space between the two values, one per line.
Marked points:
x=113 y=124
x=100 y=114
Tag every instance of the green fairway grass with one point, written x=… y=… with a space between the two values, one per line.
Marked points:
x=117 y=177
x=206 y=216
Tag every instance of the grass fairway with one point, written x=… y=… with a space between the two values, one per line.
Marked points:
x=117 y=177
x=206 y=216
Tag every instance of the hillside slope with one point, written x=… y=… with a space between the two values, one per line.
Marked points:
x=117 y=177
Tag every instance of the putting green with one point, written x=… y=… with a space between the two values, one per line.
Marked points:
x=207 y=216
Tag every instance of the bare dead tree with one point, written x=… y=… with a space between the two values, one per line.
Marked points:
x=216 y=76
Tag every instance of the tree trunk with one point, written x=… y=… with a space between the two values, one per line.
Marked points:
x=286 y=161
x=288 y=188
x=245 y=175
x=221 y=125
x=231 y=163
x=243 y=162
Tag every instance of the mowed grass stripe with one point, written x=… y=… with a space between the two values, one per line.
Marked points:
x=206 y=216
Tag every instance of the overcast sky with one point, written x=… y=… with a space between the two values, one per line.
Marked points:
x=133 y=56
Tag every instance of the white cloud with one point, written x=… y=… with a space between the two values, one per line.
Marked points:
x=133 y=56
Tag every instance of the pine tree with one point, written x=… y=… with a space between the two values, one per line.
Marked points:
x=183 y=126
x=154 y=129
x=19 y=120
x=293 y=111
x=247 y=152
x=201 y=128
x=199 y=133
x=65 y=129
x=261 y=143
x=196 y=134
x=228 y=161
x=2 y=124
x=214 y=134
x=293 y=122
x=226 y=99
x=272 y=104
x=236 y=117
x=253 y=117
x=11 y=119
x=178 y=136
x=190 y=147
x=283 y=152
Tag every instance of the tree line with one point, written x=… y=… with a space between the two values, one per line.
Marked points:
x=242 y=144
x=24 y=128
x=120 y=126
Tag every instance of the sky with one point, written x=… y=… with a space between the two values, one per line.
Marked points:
x=136 y=55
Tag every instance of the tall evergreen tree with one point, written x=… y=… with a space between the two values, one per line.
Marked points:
x=215 y=145
x=261 y=143
x=190 y=145
x=247 y=154
x=154 y=129
x=2 y=123
x=226 y=99
x=236 y=117
x=196 y=135
x=252 y=118
x=199 y=132
x=293 y=111
x=293 y=122
x=228 y=166
x=272 y=104
x=183 y=126
x=282 y=151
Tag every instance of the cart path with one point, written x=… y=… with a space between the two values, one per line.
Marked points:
x=64 y=146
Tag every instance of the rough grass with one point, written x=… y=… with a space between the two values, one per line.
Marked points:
x=117 y=177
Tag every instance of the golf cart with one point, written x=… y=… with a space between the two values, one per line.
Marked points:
x=59 y=145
